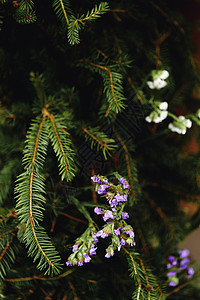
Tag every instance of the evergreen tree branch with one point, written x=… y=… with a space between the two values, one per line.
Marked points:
x=75 y=25
x=112 y=86
x=100 y=140
x=62 y=145
x=62 y=9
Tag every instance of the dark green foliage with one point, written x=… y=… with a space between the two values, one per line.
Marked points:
x=73 y=102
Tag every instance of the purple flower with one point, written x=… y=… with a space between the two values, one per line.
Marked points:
x=108 y=215
x=190 y=272
x=171 y=259
x=184 y=253
x=75 y=248
x=120 y=198
x=174 y=263
x=105 y=180
x=113 y=202
x=171 y=273
x=93 y=250
x=87 y=259
x=172 y=283
x=102 y=234
x=80 y=263
x=184 y=263
x=125 y=184
x=107 y=255
x=122 y=242
x=124 y=215
x=68 y=263
x=96 y=179
x=130 y=233
x=98 y=211
x=117 y=231
x=95 y=237
x=102 y=189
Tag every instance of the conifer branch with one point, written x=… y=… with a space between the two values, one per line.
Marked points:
x=112 y=86
x=62 y=9
x=100 y=140
x=75 y=24
x=62 y=145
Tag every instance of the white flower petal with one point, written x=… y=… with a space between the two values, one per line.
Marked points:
x=188 y=123
x=181 y=117
x=159 y=83
x=164 y=74
x=150 y=85
x=148 y=119
x=163 y=105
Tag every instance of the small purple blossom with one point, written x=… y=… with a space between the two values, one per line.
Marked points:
x=122 y=242
x=87 y=259
x=171 y=273
x=124 y=215
x=171 y=259
x=108 y=215
x=102 y=189
x=117 y=231
x=107 y=255
x=130 y=233
x=120 y=198
x=68 y=263
x=171 y=283
x=102 y=234
x=75 y=248
x=98 y=211
x=95 y=237
x=80 y=263
x=124 y=182
x=93 y=250
x=184 y=263
x=184 y=253
x=190 y=272
x=96 y=179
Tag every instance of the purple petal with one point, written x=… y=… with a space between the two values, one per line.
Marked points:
x=190 y=272
x=124 y=215
x=184 y=263
x=75 y=248
x=172 y=283
x=171 y=259
x=184 y=253
x=172 y=273
x=98 y=211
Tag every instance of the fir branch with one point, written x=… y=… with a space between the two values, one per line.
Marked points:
x=112 y=85
x=100 y=140
x=75 y=25
x=36 y=144
x=30 y=190
x=62 y=145
x=8 y=249
x=62 y=10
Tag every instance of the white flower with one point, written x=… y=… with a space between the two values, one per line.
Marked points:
x=198 y=113
x=163 y=105
x=164 y=74
x=180 y=126
x=158 y=79
x=157 y=116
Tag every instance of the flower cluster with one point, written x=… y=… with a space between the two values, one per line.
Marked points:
x=159 y=81
x=180 y=125
x=116 y=227
x=84 y=248
x=179 y=264
x=159 y=113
